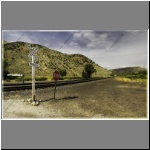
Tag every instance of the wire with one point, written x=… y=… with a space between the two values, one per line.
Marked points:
x=66 y=41
x=117 y=40
x=20 y=37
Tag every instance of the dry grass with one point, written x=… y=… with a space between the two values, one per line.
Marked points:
x=123 y=79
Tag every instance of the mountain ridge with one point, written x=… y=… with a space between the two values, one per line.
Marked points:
x=128 y=70
x=16 y=56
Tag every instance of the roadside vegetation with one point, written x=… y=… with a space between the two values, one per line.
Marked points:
x=132 y=76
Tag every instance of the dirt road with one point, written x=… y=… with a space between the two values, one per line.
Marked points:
x=97 y=99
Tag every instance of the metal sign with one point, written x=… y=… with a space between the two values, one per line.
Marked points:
x=56 y=75
x=33 y=53
x=33 y=64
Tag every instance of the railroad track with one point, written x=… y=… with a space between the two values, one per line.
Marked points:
x=23 y=86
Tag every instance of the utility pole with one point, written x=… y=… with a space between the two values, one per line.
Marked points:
x=33 y=79
x=32 y=55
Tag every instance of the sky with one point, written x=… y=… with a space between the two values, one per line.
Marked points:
x=109 y=49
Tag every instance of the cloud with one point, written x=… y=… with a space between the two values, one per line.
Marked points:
x=97 y=39
x=110 y=49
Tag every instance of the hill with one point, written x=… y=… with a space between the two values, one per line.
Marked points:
x=128 y=70
x=15 y=55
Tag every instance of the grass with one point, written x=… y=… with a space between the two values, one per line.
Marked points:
x=49 y=78
x=124 y=79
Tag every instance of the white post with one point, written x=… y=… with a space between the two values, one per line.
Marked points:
x=33 y=79
x=33 y=64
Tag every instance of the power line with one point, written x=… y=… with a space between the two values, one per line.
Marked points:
x=66 y=41
x=117 y=40
x=20 y=37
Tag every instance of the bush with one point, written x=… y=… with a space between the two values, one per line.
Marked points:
x=19 y=80
x=27 y=78
x=84 y=75
x=71 y=78
x=63 y=72
x=61 y=78
x=41 y=78
x=142 y=76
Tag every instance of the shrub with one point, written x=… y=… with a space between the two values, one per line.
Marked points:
x=61 y=78
x=84 y=75
x=27 y=78
x=41 y=78
x=62 y=72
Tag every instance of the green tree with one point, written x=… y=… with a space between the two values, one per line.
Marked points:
x=5 y=69
x=63 y=72
x=84 y=75
x=88 y=71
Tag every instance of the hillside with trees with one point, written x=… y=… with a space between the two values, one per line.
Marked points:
x=15 y=56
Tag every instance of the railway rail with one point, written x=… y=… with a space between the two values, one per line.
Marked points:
x=23 y=86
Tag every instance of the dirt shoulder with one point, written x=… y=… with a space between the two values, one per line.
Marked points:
x=97 y=99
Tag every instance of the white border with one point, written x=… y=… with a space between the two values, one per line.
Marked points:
x=0 y=90
x=148 y=75
x=77 y=0
x=89 y=118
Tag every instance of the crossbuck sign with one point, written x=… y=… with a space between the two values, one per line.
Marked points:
x=33 y=52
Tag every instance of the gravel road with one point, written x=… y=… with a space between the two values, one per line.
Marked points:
x=93 y=100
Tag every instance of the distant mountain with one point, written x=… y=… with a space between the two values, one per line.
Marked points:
x=16 y=56
x=127 y=70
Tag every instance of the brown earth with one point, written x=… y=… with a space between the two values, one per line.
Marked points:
x=97 y=99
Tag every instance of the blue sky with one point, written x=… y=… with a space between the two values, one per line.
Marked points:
x=109 y=49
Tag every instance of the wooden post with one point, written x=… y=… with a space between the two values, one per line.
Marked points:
x=55 y=89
